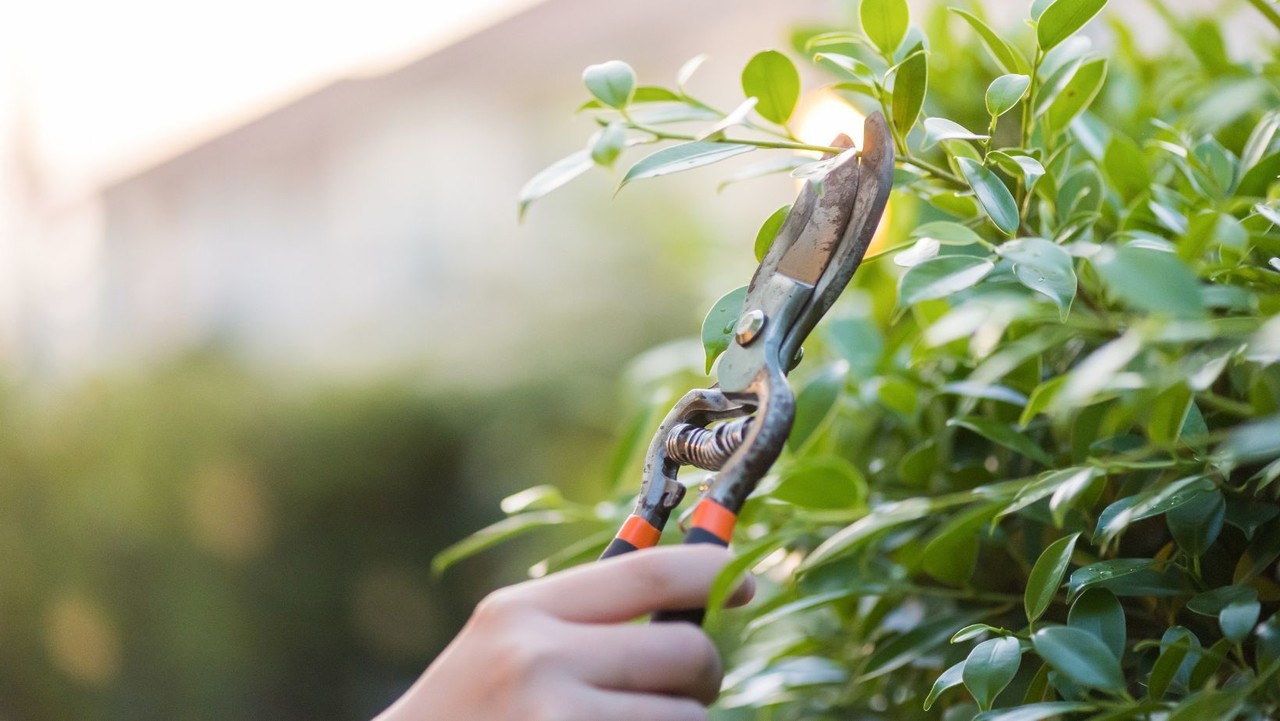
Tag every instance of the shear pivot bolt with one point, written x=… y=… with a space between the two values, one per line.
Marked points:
x=749 y=327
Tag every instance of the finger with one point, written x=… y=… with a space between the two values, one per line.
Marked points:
x=596 y=704
x=625 y=587
x=675 y=659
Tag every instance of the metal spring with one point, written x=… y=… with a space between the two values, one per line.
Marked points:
x=706 y=448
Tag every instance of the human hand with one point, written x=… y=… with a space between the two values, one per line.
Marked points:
x=561 y=648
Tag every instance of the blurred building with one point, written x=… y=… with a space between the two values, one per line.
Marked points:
x=373 y=223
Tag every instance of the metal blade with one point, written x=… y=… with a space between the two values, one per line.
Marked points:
x=875 y=180
x=808 y=256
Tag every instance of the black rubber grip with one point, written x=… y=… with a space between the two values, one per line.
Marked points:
x=691 y=615
x=617 y=547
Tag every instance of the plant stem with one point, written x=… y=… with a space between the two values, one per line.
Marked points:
x=1226 y=405
x=778 y=144
x=1268 y=11
x=935 y=171
x=1028 y=113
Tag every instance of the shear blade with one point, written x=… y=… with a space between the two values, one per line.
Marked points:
x=807 y=257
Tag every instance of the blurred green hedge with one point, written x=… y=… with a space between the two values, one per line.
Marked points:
x=198 y=542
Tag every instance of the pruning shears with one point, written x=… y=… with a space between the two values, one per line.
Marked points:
x=737 y=427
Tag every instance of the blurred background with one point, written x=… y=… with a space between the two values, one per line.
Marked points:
x=271 y=336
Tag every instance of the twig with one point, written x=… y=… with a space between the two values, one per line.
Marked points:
x=1268 y=10
x=779 y=144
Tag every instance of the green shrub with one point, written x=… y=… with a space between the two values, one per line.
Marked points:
x=1033 y=473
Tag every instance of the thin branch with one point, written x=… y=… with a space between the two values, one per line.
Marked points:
x=1268 y=10
x=936 y=171
x=779 y=144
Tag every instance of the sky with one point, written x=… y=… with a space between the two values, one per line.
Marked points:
x=103 y=89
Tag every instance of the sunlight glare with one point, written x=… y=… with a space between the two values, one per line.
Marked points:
x=821 y=115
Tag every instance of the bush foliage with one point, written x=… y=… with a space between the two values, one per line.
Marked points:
x=1034 y=468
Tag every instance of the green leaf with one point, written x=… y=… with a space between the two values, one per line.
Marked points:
x=499 y=532
x=1069 y=493
x=607 y=144
x=1126 y=167
x=1124 y=577
x=847 y=65
x=686 y=71
x=1212 y=602
x=950 y=678
x=887 y=516
x=902 y=650
x=1038 y=7
x=612 y=83
x=949 y=233
x=1099 y=613
x=822 y=482
x=1045 y=485
x=1150 y=280
x=1171 y=656
x=1238 y=619
x=1075 y=97
x=643 y=94
x=1168 y=414
x=1061 y=19
x=950 y=556
x=1262 y=552
x=1259 y=179
x=1046 y=576
x=685 y=156
x=1038 y=687
x=915 y=255
x=1044 y=267
x=992 y=194
x=1035 y=711
x=1080 y=657
x=717 y=327
x=885 y=23
x=975 y=630
x=537 y=498
x=815 y=402
x=909 y=87
x=554 y=176
x=990 y=667
x=1042 y=399
x=730 y=577
x=1252 y=442
x=735 y=117
x=1004 y=394
x=940 y=277
x=937 y=130
x=771 y=77
x=769 y=231
x=1221 y=705
x=1005 y=55
x=1004 y=93
x=1249 y=514
x=1196 y=524
x=1003 y=434
x=1269 y=643
x=805 y=603
x=1017 y=164
x=1154 y=502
